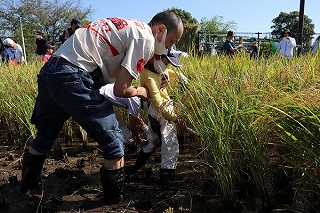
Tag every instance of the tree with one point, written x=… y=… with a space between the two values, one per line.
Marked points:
x=191 y=27
x=216 y=25
x=49 y=16
x=185 y=16
x=290 y=21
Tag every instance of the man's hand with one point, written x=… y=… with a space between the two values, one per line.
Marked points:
x=143 y=93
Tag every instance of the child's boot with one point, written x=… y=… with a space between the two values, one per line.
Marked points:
x=167 y=177
x=141 y=160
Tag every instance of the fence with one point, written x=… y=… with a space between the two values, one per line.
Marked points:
x=211 y=42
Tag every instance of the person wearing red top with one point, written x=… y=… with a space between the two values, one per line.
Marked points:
x=48 y=51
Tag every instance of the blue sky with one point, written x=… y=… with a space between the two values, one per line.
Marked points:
x=250 y=16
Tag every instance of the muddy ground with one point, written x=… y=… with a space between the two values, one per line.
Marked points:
x=71 y=182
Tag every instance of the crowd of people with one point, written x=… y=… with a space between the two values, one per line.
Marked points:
x=285 y=46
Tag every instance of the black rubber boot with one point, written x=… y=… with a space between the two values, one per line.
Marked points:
x=167 y=177
x=141 y=160
x=31 y=171
x=112 y=182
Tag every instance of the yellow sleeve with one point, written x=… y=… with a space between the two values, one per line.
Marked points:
x=172 y=74
x=156 y=99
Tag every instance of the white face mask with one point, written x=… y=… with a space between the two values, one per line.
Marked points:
x=160 y=47
x=38 y=36
x=159 y=66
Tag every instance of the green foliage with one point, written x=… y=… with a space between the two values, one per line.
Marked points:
x=189 y=38
x=191 y=27
x=217 y=24
x=266 y=49
x=18 y=91
x=185 y=16
x=291 y=21
x=255 y=117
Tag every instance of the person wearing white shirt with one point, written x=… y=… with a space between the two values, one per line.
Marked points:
x=18 y=50
x=315 y=46
x=286 y=44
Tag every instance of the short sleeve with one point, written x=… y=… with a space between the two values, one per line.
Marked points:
x=138 y=53
x=231 y=45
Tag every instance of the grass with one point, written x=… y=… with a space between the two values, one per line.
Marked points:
x=248 y=113
x=17 y=94
x=259 y=120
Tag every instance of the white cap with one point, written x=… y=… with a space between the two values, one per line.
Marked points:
x=8 y=42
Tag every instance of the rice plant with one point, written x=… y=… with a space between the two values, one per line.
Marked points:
x=247 y=112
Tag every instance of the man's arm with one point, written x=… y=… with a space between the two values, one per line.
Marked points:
x=235 y=48
x=123 y=88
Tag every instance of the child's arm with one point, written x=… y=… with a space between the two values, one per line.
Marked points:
x=156 y=100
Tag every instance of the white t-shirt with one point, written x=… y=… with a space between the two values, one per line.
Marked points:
x=109 y=44
x=133 y=104
x=315 y=46
x=19 y=55
x=286 y=46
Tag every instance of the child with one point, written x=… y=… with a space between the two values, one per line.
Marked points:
x=48 y=50
x=162 y=118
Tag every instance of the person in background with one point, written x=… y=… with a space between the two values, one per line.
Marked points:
x=48 y=51
x=40 y=41
x=286 y=44
x=255 y=49
x=115 y=50
x=163 y=121
x=8 y=56
x=229 y=48
x=19 y=56
x=133 y=105
x=74 y=25
x=315 y=45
